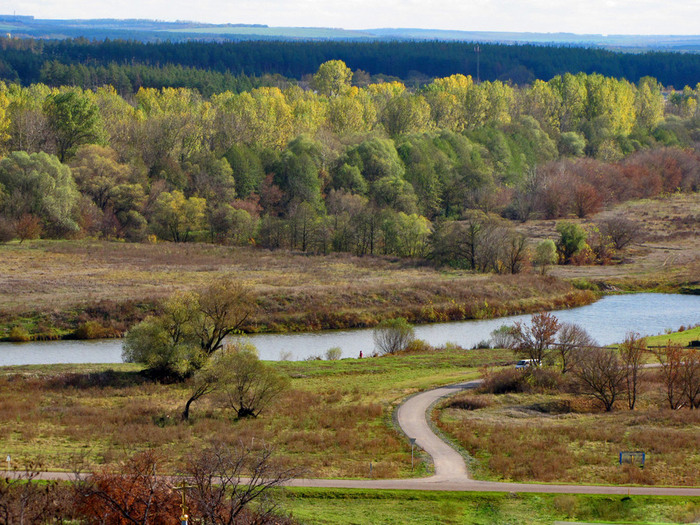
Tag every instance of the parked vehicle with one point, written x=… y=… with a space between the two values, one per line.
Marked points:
x=525 y=363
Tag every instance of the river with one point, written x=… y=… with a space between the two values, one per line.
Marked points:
x=607 y=321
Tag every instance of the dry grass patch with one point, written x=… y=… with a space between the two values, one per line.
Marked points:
x=335 y=419
x=563 y=438
x=102 y=288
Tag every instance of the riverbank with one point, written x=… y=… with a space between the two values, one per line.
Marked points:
x=97 y=289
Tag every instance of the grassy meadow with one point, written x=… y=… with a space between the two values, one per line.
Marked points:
x=566 y=437
x=372 y=507
x=335 y=419
x=53 y=288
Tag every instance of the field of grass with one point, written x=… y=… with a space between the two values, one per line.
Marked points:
x=334 y=421
x=548 y=437
x=368 y=507
x=665 y=252
x=683 y=337
x=51 y=288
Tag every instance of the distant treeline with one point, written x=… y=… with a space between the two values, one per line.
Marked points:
x=212 y=67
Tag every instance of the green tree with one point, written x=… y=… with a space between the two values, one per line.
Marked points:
x=248 y=385
x=649 y=103
x=74 y=119
x=545 y=255
x=166 y=344
x=246 y=169
x=572 y=239
x=40 y=185
x=332 y=78
x=405 y=114
x=375 y=158
x=175 y=217
x=97 y=171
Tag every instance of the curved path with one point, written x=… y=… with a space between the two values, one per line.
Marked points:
x=450 y=470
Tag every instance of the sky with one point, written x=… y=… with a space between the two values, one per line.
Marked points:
x=678 y=17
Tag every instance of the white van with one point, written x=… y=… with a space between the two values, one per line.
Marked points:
x=525 y=363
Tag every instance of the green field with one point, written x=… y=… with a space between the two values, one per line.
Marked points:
x=368 y=507
x=335 y=419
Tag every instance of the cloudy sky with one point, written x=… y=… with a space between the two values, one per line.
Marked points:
x=575 y=16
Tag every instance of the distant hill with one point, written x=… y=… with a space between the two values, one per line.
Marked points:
x=153 y=31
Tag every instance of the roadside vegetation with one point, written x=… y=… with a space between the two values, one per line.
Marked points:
x=372 y=507
x=567 y=415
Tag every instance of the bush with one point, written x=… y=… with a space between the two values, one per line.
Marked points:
x=504 y=382
x=544 y=379
x=468 y=402
x=333 y=354
x=572 y=239
x=19 y=334
x=393 y=335
x=502 y=337
x=511 y=380
x=91 y=330
x=418 y=346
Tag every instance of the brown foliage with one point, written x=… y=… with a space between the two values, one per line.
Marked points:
x=135 y=495
x=533 y=341
x=28 y=227
x=22 y=501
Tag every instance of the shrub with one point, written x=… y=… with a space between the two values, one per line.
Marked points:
x=502 y=337
x=333 y=354
x=418 y=346
x=572 y=239
x=91 y=330
x=511 y=380
x=544 y=379
x=504 y=382
x=583 y=284
x=393 y=335
x=19 y=334
x=468 y=402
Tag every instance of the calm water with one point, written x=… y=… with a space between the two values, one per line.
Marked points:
x=607 y=320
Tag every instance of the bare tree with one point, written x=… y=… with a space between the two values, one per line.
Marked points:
x=632 y=353
x=619 y=230
x=570 y=338
x=690 y=377
x=671 y=359
x=601 y=375
x=393 y=335
x=23 y=501
x=221 y=495
x=533 y=341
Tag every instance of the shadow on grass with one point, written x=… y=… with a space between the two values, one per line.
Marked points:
x=105 y=379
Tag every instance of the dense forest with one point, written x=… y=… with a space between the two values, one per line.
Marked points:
x=90 y=64
x=380 y=169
